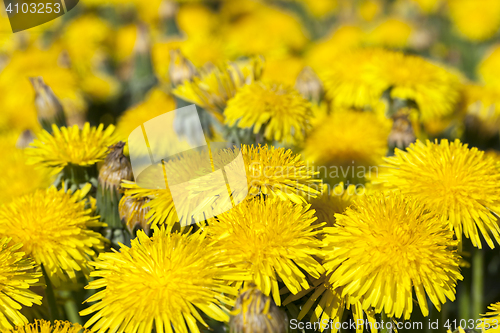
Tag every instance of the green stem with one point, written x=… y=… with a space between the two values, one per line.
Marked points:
x=445 y=312
x=477 y=282
x=385 y=319
x=465 y=286
x=71 y=308
x=51 y=298
x=464 y=302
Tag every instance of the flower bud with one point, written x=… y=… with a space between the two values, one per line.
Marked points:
x=257 y=313
x=48 y=107
x=309 y=85
x=142 y=43
x=133 y=213
x=181 y=69
x=116 y=168
x=168 y=9
x=402 y=133
x=25 y=139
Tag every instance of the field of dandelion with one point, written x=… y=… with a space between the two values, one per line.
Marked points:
x=368 y=132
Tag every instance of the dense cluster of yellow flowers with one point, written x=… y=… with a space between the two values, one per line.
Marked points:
x=361 y=161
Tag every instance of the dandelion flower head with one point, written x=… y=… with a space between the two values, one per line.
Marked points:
x=340 y=139
x=278 y=172
x=71 y=145
x=392 y=33
x=384 y=248
x=458 y=183
x=54 y=227
x=272 y=240
x=435 y=89
x=355 y=80
x=344 y=39
x=284 y=31
x=489 y=67
x=17 y=274
x=476 y=20
x=162 y=282
x=279 y=110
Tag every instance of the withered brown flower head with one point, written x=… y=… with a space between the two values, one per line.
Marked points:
x=116 y=167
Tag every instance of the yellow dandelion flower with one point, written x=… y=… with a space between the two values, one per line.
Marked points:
x=283 y=32
x=382 y=249
x=124 y=42
x=215 y=50
x=435 y=89
x=392 y=32
x=489 y=68
x=476 y=20
x=70 y=145
x=215 y=87
x=282 y=69
x=321 y=53
x=271 y=239
x=428 y=6
x=369 y=9
x=458 y=183
x=43 y=326
x=162 y=282
x=91 y=32
x=491 y=320
x=355 y=78
x=482 y=105
x=16 y=276
x=100 y=87
x=196 y=19
x=148 y=12
x=278 y=172
x=54 y=228
x=339 y=142
x=279 y=110
x=14 y=181
x=320 y=8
